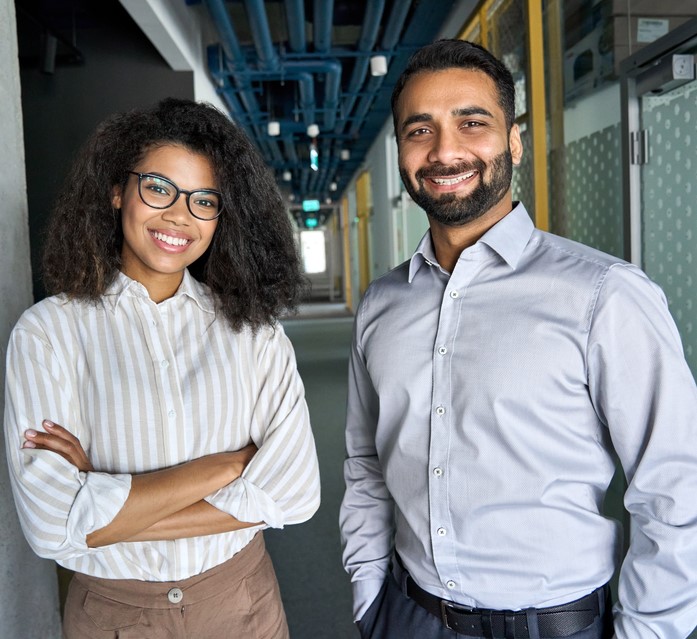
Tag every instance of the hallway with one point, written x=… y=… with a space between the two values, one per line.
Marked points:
x=315 y=589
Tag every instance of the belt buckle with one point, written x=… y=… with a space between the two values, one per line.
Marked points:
x=446 y=605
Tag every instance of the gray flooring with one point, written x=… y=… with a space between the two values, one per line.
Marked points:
x=315 y=589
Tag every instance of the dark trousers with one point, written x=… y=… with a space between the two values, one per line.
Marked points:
x=394 y=616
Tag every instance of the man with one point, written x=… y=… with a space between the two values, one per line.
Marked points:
x=492 y=376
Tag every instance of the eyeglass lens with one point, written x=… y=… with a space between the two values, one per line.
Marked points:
x=160 y=193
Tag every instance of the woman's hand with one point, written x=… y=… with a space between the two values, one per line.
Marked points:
x=58 y=440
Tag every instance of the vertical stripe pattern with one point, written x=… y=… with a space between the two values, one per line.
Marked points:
x=147 y=386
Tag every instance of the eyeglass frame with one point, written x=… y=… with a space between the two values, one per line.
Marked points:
x=179 y=192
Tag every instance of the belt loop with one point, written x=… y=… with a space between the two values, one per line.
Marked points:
x=533 y=628
x=487 y=629
x=509 y=625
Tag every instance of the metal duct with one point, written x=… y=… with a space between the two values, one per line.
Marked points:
x=323 y=15
x=295 y=18
x=259 y=24
x=369 y=34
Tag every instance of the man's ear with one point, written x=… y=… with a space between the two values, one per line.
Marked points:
x=116 y=196
x=515 y=144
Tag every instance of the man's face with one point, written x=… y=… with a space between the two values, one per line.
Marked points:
x=455 y=153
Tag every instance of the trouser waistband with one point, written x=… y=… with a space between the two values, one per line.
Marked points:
x=162 y=594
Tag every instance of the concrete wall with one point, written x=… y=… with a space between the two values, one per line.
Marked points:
x=29 y=588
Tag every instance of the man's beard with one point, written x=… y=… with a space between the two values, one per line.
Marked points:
x=453 y=210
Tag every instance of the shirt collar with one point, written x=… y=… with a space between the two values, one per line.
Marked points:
x=508 y=237
x=190 y=287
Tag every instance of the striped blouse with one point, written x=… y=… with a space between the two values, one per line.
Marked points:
x=147 y=386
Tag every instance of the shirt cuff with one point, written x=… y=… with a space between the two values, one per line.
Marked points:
x=364 y=593
x=99 y=500
x=247 y=502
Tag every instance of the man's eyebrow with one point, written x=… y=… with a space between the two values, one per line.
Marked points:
x=465 y=111
x=417 y=117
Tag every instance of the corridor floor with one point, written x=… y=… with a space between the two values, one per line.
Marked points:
x=315 y=589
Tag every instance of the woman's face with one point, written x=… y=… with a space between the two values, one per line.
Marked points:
x=158 y=244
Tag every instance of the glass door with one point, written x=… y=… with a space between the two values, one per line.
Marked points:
x=659 y=94
x=669 y=204
x=659 y=131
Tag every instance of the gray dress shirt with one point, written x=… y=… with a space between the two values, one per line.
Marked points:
x=484 y=406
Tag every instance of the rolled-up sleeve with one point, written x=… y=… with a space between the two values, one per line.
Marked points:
x=58 y=505
x=281 y=484
x=644 y=391
x=367 y=510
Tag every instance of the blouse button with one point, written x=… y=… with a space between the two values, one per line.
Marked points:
x=451 y=584
x=442 y=532
x=454 y=294
x=440 y=411
x=442 y=350
x=438 y=471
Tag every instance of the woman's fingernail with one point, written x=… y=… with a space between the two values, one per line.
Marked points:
x=28 y=445
x=47 y=424
x=30 y=433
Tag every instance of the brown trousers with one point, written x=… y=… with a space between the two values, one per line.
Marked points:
x=237 y=599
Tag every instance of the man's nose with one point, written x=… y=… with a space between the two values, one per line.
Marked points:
x=447 y=147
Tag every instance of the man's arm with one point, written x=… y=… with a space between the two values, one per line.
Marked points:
x=643 y=390
x=367 y=510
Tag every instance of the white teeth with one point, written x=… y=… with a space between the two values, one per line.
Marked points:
x=448 y=182
x=168 y=239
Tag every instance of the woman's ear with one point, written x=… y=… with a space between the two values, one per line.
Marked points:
x=116 y=195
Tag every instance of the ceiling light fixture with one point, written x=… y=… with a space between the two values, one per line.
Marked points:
x=378 y=65
x=287 y=176
x=273 y=128
x=313 y=130
x=345 y=154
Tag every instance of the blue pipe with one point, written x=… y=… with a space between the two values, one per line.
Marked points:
x=323 y=15
x=371 y=23
x=389 y=40
x=230 y=43
x=295 y=18
x=259 y=25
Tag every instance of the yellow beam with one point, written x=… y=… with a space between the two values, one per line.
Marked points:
x=537 y=111
x=346 y=238
x=363 y=214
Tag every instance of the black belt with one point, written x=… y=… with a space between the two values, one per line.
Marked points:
x=557 y=621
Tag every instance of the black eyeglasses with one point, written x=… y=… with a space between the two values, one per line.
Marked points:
x=160 y=193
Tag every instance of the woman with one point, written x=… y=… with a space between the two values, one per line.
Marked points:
x=156 y=423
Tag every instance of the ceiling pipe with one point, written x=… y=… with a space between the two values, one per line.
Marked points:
x=389 y=40
x=371 y=24
x=261 y=33
x=295 y=19
x=228 y=37
x=289 y=148
x=301 y=70
x=323 y=15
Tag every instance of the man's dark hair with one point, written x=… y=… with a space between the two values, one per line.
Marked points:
x=459 y=54
x=251 y=265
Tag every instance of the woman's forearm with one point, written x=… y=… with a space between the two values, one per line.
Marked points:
x=196 y=520
x=160 y=494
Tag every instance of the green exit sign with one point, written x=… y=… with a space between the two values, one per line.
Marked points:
x=310 y=205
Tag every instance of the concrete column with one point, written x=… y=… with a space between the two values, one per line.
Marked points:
x=29 y=588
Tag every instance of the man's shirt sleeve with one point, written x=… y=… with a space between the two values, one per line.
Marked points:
x=367 y=511
x=644 y=391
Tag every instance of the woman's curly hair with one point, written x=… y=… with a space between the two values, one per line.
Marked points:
x=251 y=265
